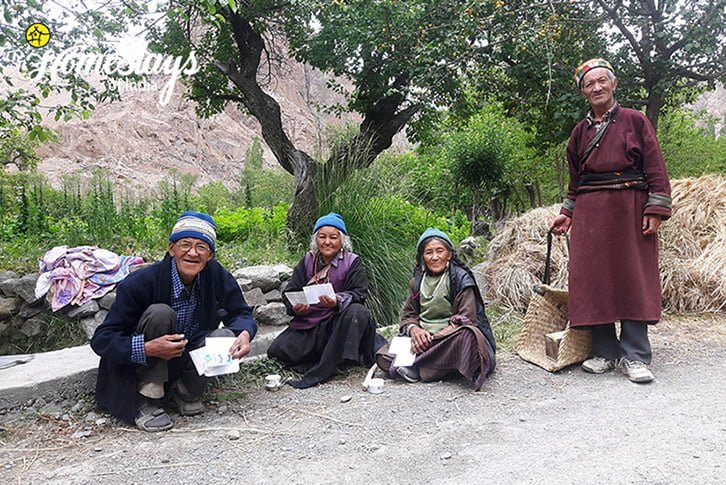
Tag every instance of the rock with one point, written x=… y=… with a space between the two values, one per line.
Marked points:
x=81 y=434
x=468 y=245
x=254 y=297
x=29 y=311
x=88 y=309
x=8 y=306
x=244 y=283
x=265 y=278
x=273 y=295
x=284 y=271
x=32 y=327
x=107 y=300
x=272 y=314
x=8 y=275
x=346 y=398
x=89 y=324
x=481 y=280
x=233 y=434
x=23 y=287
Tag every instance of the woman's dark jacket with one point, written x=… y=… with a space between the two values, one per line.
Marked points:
x=220 y=299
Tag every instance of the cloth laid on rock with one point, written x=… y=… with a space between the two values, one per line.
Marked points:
x=77 y=275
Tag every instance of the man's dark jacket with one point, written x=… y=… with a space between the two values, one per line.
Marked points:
x=221 y=299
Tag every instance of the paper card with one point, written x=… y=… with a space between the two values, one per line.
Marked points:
x=214 y=358
x=401 y=348
x=314 y=292
x=310 y=295
x=296 y=298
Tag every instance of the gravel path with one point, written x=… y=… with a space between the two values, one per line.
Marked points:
x=525 y=426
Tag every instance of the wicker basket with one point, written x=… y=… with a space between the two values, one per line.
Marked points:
x=547 y=313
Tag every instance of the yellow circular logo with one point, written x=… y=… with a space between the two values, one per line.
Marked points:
x=37 y=35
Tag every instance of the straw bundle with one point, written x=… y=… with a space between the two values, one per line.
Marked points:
x=692 y=251
x=517 y=255
x=693 y=246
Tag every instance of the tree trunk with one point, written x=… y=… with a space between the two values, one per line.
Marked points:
x=652 y=110
x=376 y=133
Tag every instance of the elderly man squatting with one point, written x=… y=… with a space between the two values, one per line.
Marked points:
x=161 y=312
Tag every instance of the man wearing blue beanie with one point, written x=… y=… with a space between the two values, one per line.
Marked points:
x=160 y=314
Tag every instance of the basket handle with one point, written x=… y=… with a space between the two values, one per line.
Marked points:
x=546 y=277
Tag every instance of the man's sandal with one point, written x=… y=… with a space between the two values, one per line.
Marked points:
x=186 y=408
x=151 y=418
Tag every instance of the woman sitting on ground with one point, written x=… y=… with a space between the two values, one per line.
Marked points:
x=337 y=331
x=445 y=318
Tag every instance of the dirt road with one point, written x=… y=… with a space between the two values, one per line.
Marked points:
x=525 y=426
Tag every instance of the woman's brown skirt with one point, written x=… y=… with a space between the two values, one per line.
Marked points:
x=462 y=349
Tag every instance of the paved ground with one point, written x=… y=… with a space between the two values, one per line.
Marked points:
x=525 y=426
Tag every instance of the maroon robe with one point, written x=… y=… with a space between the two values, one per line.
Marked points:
x=613 y=268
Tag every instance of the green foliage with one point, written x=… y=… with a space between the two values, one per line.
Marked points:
x=667 y=47
x=487 y=166
x=252 y=374
x=506 y=325
x=241 y=224
x=690 y=150
x=261 y=186
x=88 y=28
x=214 y=195
x=17 y=147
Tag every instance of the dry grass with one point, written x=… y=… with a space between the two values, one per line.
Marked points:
x=692 y=251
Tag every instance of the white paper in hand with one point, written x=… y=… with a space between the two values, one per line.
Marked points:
x=214 y=359
x=314 y=292
x=401 y=348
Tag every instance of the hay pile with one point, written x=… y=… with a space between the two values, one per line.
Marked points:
x=693 y=247
x=692 y=251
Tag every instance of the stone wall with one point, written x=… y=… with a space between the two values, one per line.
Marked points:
x=23 y=316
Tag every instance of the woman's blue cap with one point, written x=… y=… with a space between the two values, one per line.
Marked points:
x=332 y=219
x=433 y=232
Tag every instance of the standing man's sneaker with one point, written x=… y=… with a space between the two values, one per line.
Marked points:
x=636 y=371
x=598 y=365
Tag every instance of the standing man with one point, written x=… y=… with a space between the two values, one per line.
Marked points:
x=617 y=197
x=161 y=313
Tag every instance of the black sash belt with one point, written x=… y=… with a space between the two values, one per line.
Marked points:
x=630 y=179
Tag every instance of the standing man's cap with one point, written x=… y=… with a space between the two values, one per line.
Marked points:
x=197 y=225
x=583 y=68
x=332 y=219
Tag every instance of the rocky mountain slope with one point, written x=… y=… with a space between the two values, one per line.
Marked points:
x=139 y=141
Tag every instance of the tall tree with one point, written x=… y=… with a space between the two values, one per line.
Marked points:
x=670 y=45
x=23 y=49
x=402 y=58
x=659 y=48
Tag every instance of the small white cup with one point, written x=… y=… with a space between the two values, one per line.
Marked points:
x=375 y=386
x=273 y=382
